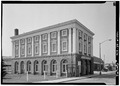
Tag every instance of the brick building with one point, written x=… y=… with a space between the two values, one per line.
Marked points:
x=64 y=48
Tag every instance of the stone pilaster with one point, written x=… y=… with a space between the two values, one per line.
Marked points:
x=74 y=40
x=19 y=67
x=40 y=46
x=19 y=48
x=25 y=47
x=87 y=44
x=58 y=42
x=69 y=40
x=32 y=46
x=91 y=47
x=48 y=43
x=83 y=43
x=32 y=67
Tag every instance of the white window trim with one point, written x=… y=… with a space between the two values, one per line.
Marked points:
x=44 y=36
x=54 y=42
x=64 y=34
x=53 y=34
x=16 y=49
x=66 y=45
x=36 y=45
x=44 y=44
x=29 y=45
x=22 y=47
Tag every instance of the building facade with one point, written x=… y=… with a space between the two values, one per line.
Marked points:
x=64 y=48
x=97 y=63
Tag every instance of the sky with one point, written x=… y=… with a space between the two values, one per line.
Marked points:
x=99 y=18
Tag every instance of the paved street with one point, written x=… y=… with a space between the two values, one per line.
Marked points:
x=107 y=78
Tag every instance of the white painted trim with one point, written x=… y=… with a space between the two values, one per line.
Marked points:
x=40 y=45
x=48 y=44
x=69 y=43
x=54 y=26
x=44 y=43
x=53 y=42
x=74 y=40
x=19 y=49
x=32 y=46
x=66 y=45
x=59 y=42
x=25 y=47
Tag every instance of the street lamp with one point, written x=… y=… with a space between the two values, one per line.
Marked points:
x=100 y=51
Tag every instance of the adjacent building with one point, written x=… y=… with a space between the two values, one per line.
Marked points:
x=64 y=48
x=97 y=63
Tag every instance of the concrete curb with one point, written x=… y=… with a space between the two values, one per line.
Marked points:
x=67 y=79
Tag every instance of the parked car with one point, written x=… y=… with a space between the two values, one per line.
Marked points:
x=105 y=69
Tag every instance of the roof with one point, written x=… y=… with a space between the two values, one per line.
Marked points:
x=96 y=59
x=54 y=26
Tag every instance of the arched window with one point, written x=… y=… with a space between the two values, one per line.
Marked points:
x=35 y=66
x=53 y=66
x=22 y=67
x=29 y=67
x=16 y=67
x=64 y=66
x=44 y=66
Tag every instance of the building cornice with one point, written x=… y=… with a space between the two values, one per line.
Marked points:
x=53 y=26
x=46 y=56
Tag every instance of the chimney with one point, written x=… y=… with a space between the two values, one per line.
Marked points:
x=16 y=32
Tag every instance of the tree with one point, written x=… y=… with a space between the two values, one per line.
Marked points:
x=3 y=66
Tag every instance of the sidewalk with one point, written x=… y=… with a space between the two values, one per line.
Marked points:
x=96 y=73
x=66 y=79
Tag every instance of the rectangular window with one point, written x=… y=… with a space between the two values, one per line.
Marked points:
x=16 y=51
x=84 y=48
x=22 y=47
x=36 y=45
x=64 y=32
x=44 y=47
x=44 y=36
x=16 y=48
x=53 y=35
x=53 y=46
x=29 y=40
x=36 y=48
x=29 y=49
x=36 y=38
x=64 y=45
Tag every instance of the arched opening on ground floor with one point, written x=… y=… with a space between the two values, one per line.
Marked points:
x=53 y=67
x=36 y=67
x=44 y=66
x=16 y=67
x=22 y=69
x=29 y=66
x=64 y=64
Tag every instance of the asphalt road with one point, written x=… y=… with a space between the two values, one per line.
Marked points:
x=108 y=78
